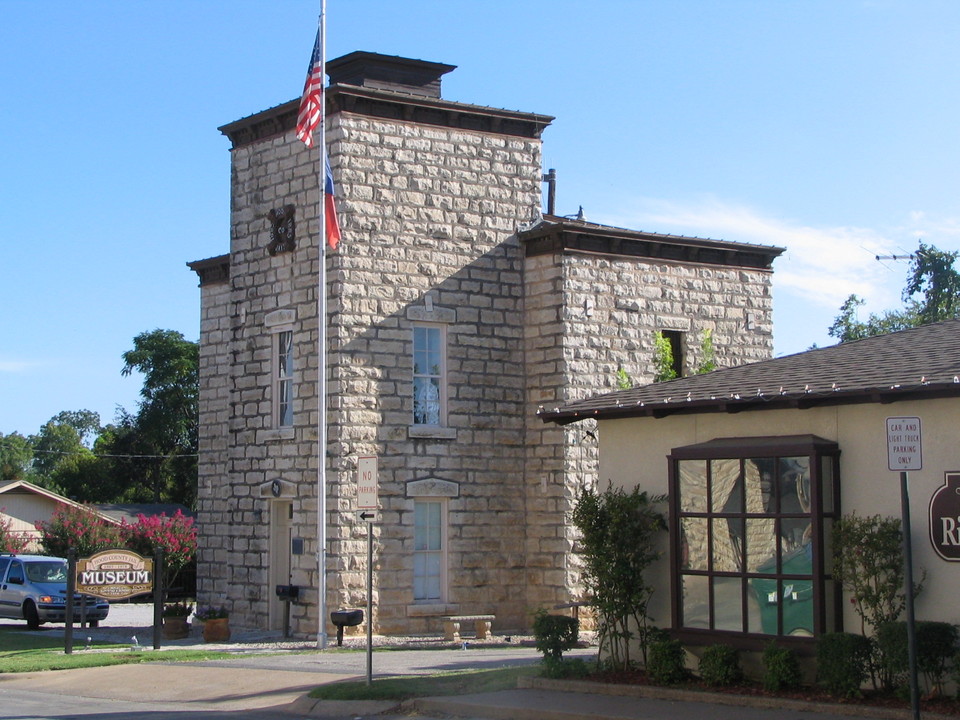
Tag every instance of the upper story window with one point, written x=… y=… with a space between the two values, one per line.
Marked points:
x=750 y=522
x=429 y=375
x=283 y=379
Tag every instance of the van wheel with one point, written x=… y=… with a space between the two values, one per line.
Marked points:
x=31 y=615
x=94 y=623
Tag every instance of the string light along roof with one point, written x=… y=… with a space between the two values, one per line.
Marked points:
x=921 y=362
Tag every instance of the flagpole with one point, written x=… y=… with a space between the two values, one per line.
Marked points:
x=322 y=353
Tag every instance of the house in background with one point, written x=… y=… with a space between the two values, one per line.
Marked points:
x=455 y=309
x=759 y=461
x=23 y=505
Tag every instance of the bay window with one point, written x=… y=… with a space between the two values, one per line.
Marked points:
x=751 y=520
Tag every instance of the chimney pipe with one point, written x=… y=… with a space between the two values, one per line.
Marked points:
x=551 y=180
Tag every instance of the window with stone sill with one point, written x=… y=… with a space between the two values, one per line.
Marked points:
x=429 y=376
x=429 y=551
x=283 y=379
x=751 y=521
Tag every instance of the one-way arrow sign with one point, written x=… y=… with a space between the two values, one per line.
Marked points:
x=368 y=516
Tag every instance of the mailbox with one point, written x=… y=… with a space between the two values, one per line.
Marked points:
x=342 y=618
x=288 y=592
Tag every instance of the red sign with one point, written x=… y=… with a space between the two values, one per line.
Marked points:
x=945 y=518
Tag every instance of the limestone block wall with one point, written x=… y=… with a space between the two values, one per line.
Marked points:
x=429 y=217
x=214 y=445
x=587 y=316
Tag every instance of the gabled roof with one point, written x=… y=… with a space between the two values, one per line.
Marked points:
x=921 y=362
x=129 y=512
x=28 y=488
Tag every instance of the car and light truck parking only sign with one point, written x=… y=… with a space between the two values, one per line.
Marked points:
x=903 y=444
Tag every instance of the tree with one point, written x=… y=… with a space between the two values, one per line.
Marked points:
x=708 y=353
x=663 y=363
x=175 y=536
x=868 y=564
x=932 y=276
x=166 y=422
x=55 y=444
x=79 y=528
x=85 y=422
x=16 y=455
x=619 y=533
x=10 y=541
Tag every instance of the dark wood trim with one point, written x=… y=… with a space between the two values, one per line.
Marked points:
x=212 y=271
x=389 y=105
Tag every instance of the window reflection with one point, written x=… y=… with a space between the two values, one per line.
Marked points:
x=745 y=553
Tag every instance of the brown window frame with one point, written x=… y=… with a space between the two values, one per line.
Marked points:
x=827 y=610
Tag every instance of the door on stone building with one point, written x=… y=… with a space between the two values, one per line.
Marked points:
x=281 y=542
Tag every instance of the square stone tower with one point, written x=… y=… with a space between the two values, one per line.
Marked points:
x=454 y=311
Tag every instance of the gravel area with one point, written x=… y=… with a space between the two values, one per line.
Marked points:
x=133 y=623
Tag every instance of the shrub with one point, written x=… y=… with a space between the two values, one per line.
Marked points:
x=781 y=669
x=11 y=542
x=179 y=609
x=720 y=665
x=554 y=634
x=936 y=647
x=843 y=662
x=176 y=536
x=666 y=665
x=619 y=540
x=79 y=528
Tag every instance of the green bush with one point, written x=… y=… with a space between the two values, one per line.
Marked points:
x=843 y=663
x=666 y=665
x=720 y=665
x=554 y=634
x=781 y=669
x=937 y=645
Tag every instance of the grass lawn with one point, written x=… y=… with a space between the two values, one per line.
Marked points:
x=22 y=651
x=411 y=686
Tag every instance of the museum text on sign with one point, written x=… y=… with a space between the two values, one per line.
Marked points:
x=115 y=574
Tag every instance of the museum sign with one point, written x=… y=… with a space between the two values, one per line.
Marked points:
x=115 y=574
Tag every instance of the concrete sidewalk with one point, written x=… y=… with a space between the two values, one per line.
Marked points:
x=266 y=673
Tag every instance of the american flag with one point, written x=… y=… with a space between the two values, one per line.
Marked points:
x=311 y=104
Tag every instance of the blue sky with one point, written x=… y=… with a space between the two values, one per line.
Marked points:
x=825 y=126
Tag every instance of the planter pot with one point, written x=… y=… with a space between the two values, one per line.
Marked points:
x=175 y=628
x=217 y=630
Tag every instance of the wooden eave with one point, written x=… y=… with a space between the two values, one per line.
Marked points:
x=212 y=271
x=391 y=105
x=559 y=235
x=681 y=406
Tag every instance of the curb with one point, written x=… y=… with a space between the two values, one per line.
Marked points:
x=713 y=698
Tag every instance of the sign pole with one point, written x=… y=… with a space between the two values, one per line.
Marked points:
x=158 y=593
x=71 y=591
x=905 y=452
x=908 y=593
x=369 y=604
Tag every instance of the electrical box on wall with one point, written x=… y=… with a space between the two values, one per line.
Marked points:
x=296 y=546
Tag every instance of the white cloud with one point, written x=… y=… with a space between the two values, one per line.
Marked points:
x=19 y=366
x=821 y=265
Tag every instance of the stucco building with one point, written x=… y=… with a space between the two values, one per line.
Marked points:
x=455 y=309
x=759 y=461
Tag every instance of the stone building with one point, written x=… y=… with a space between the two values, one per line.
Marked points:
x=455 y=309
